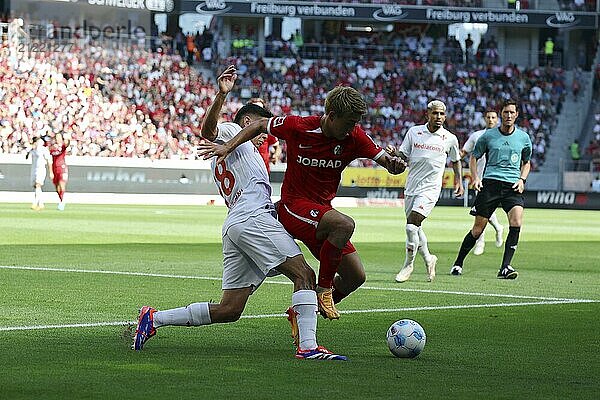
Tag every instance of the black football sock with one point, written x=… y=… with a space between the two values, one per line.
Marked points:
x=511 y=245
x=466 y=246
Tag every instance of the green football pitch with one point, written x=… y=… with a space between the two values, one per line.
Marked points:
x=70 y=280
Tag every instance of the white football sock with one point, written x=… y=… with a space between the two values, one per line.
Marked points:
x=423 y=247
x=494 y=222
x=195 y=314
x=412 y=243
x=38 y=196
x=304 y=303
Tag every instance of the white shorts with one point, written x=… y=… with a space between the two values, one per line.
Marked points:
x=38 y=177
x=253 y=249
x=420 y=203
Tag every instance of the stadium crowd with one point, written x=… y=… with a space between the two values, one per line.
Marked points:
x=130 y=102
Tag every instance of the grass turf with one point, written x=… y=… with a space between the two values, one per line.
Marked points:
x=531 y=351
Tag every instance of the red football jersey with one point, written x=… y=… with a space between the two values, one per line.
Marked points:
x=264 y=150
x=314 y=161
x=58 y=155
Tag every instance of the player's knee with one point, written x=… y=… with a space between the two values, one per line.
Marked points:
x=355 y=281
x=361 y=277
x=345 y=226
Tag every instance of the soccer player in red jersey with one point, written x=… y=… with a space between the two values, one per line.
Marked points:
x=58 y=150
x=318 y=150
x=265 y=151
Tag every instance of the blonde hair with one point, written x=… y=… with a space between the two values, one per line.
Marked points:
x=436 y=104
x=344 y=100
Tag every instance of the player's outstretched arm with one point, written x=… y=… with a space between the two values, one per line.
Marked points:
x=208 y=150
x=226 y=81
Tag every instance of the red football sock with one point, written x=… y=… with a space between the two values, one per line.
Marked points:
x=330 y=257
x=61 y=193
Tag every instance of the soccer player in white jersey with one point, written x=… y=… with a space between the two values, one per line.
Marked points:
x=426 y=148
x=40 y=160
x=491 y=121
x=255 y=244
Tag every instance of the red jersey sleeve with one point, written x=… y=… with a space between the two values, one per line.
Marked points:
x=283 y=127
x=271 y=140
x=365 y=146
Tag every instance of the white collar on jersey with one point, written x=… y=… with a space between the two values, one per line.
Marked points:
x=441 y=130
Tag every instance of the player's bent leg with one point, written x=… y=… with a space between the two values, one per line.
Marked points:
x=304 y=301
x=231 y=306
x=299 y=272
x=302 y=315
x=515 y=219
x=468 y=243
x=335 y=230
x=335 y=227
x=413 y=228
x=351 y=275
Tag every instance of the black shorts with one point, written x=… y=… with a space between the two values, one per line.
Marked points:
x=493 y=194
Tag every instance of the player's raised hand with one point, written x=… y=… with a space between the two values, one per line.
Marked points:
x=227 y=79
x=391 y=150
x=206 y=150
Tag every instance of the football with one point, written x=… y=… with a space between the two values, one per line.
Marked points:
x=406 y=338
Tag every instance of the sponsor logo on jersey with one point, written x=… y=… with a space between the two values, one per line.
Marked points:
x=305 y=146
x=431 y=147
x=314 y=213
x=337 y=150
x=315 y=162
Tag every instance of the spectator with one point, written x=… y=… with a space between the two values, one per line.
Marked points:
x=574 y=150
x=549 y=50
x=595 y=185
x=468 y=49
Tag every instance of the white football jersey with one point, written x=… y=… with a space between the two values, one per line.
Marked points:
x=427 y=153
x=40 y=157
x=470 y=145
x=241 y=178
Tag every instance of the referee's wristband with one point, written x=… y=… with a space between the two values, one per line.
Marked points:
x=523 y=179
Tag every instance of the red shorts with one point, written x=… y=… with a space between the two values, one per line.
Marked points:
x=301 y=218
x=61 y=173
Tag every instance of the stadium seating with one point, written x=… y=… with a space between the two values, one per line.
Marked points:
x=129 y=102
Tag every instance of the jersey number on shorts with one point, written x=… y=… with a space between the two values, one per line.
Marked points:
x=225 y=178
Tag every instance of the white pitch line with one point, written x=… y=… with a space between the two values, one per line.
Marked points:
x=208 y=278
x=99 y=271
x=260 y=316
